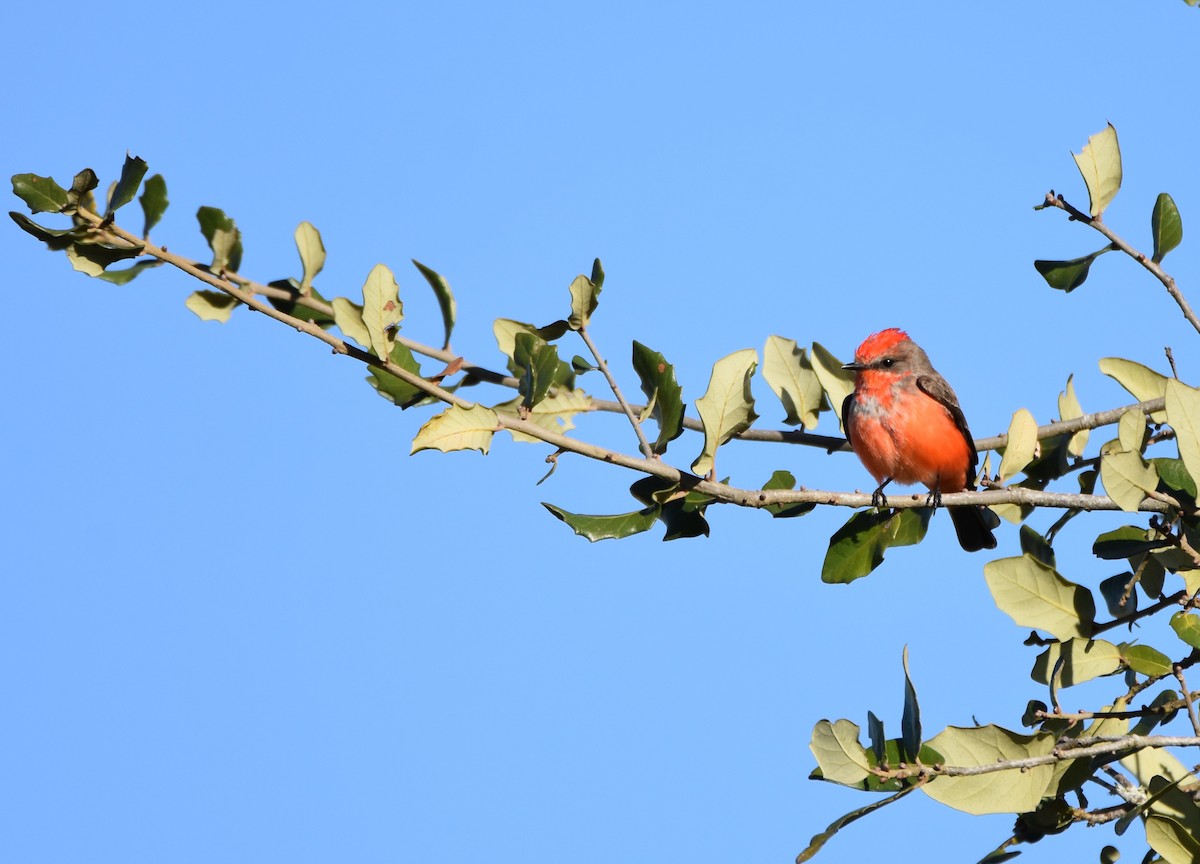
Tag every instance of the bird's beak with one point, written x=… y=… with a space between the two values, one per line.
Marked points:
x=853 y=367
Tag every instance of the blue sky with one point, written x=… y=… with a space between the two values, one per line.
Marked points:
x=240 y=623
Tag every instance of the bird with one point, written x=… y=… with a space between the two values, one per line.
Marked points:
x=904 y=423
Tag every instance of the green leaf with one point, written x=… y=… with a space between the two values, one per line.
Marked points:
x=1068 y=275
x=382 y=310
x=126 y=275
x=1082 y=660
x=1100 y=165
x=681 y=512
x=1145 y=384
x=445 y=298
x=1183 y=413
x=211 y=305
x=1127 y=477
x=1146 y=660
x=878 y=737
x=554 y=413
x=458 y=428
x=597 y=274
x=1187 y=627
x=296 y=305
x=657 y=378
x=224 y=239
x=1022 y=444
x=506 y=331
x=1125 y=542
x=839 y=755
x=349 y=319
x=1033 y=543
x=93 y=258
x=727 y=406
x=1174 y=473
x=1070 y=409
x=790 y=374
x=132 y=173
x=1035 y=595
x=396 y=390
x=40 y=194
x=312 y=254
x=80 y=192
x=857 y=547
x=154 y=202
x=838 y=383
x=785 y=480
x=56 y=239
x=1017 y=791
x=585 y=294
x=538 y=361
x=1166 y=226
x=910 y=723
x=1113 y=590
x=819 y=840
x=606 y=527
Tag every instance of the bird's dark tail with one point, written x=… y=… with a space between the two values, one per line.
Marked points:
x=973 y=527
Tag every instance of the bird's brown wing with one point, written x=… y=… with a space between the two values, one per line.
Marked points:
x=937 y=388
x=847 y=403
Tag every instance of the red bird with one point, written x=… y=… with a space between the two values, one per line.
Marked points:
x=904 y=422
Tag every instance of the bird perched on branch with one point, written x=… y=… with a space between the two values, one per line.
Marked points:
x=904 y=422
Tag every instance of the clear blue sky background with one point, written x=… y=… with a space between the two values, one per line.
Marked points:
x=240 y=623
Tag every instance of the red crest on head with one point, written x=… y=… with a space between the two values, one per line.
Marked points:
x=879 y=343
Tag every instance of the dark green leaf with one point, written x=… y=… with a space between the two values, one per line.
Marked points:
x=658 y=382
x=1032 y=708
x=296 y=306
x=81 y=187
x=1123 y=542
x=127 y=274
x=1035 y=544
x=40 y=194
x=132 y=173
x=1166 y=226
x=857 y=547
x=445 y=298
x=224 y=239
x=56 y=239
x=1175 y=475
x=785 y=480
x=539 y=364
x=396 y=390
x=103 y=255
x=606 y=527
x=819 y=840
x=1153 y=576
x=580 y=365
x=1112 y=590
x=1068 y=275
x=878 y=738
x=910 y=722
x=683 y=516
x=597 y=274
x=154 y=202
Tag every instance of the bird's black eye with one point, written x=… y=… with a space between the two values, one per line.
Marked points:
x=887 y=362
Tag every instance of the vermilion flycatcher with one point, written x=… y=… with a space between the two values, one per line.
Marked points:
x=904 y=422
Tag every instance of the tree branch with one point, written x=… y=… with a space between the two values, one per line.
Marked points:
x=647 y=450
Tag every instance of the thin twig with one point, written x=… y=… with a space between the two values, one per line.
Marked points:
x=1174 y=600
x=647 y=450
x=1177 y=671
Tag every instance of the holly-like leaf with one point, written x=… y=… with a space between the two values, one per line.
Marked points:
x=553 y=413
x=132 y=173
x=211 y=305
x=727 y=407
x=312 y=254
x=1022 y=446
x=40 y=194
x=80 y=193
x=382 y=309
x=56 y=239
x=538 y=361
x=998 y=792
x=154 y=202
x=1070 y=409
x=585 y=295
x=838 y=383
x=458 y=428
x=396 y=390
x=1100 y=165
x=445 y=298
x=1166 y=226
x=1035 y=595
x=224 y=239
x=1068 y=275
x=613 y=527
x=657 y=378
x=680 y=511
x=790 y=374
x=349 y=319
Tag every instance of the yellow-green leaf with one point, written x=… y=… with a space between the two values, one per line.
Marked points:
x=211 y=305
x=1070 y=409
x=458 y=428
x=312 y=254
x=554 y=413
x=837 y=382
x=1131 y=431
x=1016 y=791
x=585 y=294
x=1100 y=165
x=1183 y=413
x=1187 y=627
x=727 y=406
x=1144 y=383
x=1168 y=837
x=1035 y=595
x=1083 y=660
x=1022 y=446
x=840 y=756
x=382 y=309
x=1127 y=477
x=790 y=374
x=348 y=317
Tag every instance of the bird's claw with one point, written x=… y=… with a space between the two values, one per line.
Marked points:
x=878 y=499
x=934 y=499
